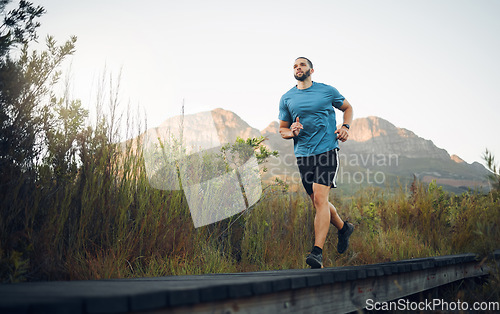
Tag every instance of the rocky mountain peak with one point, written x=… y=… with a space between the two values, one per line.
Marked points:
x=367 y=128
x=229 y=126
x=457 y=159
x=272 y=128
x=374 y=135
x=370 y=137
x=364 y=129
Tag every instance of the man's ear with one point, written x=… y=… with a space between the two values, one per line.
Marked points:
x=312 y=71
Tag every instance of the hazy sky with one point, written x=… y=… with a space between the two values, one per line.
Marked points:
x=432 y=67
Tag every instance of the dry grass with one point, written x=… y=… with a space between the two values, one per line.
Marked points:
x=106 y=221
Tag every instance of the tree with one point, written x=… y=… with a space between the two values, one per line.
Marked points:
x=16 y=119
x=62 y=136
x=19 y=25
x=26 y=84
x=30 y=129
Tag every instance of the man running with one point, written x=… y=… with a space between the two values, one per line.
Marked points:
x=307 y=116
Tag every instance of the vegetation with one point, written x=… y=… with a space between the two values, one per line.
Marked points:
x=75 y=204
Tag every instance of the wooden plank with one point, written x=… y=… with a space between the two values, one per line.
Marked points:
x=340 y=297
x=331 y=289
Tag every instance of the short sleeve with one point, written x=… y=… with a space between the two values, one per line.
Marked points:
x=284 y=113
x=338 y=99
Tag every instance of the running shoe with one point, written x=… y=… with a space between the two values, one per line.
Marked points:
x=315 y=260
x=344 y=238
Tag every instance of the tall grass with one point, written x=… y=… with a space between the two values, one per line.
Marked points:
x=102 y=219
x=108 y=222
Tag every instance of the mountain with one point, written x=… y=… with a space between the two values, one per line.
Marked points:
x=377 y=152
x=230 y=126
x=378 y=136
x=200 y=131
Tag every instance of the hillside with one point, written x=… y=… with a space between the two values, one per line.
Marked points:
x=377 y=153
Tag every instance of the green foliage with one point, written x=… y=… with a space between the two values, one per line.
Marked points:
x=19 y=25
x=26 y=123
x=371 y=218
x=25 y=114
x=14 y=267
x=494 y=176
x=63 y=135
x=241 y=150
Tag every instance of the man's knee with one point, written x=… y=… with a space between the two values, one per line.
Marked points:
x=320 y=197
x=321 y=203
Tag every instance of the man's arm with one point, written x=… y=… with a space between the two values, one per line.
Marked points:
x=287 y=131
x=343 y=132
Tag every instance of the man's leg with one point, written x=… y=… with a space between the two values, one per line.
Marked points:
x=334 y=216
x=323 y=213
x=344 y=230
x=321 y=224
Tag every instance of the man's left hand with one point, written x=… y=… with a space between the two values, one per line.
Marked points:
x=342 y=134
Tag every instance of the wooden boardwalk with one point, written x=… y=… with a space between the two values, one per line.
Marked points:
x=329 y=290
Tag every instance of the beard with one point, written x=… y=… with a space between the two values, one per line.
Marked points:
x=304 y=76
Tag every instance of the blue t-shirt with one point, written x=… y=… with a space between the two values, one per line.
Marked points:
x=315 y=108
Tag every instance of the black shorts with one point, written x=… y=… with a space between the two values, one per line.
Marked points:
x=321 y=169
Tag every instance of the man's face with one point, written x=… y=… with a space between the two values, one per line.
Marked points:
x=301 y=69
